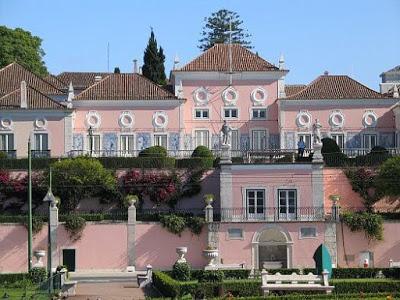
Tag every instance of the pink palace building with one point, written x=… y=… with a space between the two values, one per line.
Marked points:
x=272 y=214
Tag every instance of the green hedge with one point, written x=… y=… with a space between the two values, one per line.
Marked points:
x=374 y=296
x=137 y=162
x=22 y=163
x=343 y=286
x=195 y=162
x=7 y=278
x=342 y=273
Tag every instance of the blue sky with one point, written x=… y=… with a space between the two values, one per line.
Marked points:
x=357 y=38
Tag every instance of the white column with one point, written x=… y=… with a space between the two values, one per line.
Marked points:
x=131 y=238
x=53 y=219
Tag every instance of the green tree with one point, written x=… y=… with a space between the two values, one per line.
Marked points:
x=388 y=179
x=217 y=28
x=77 y=178
x=154 y=58
x=21 y=46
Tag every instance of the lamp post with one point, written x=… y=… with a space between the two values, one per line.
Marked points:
x=29 y=205
x=52 y=202
x=90 y=132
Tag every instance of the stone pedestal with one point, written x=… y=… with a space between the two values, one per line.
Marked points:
x=53 y=237
x=317 y=157
x=131 y=238
x=226 y=156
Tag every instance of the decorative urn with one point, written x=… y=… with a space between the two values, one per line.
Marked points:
x=181 y=251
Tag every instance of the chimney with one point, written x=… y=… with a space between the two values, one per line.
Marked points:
x=326 y=73
x=135 y=66
x=176 y=62
x=71 y=95
x=24 y=96
x=97 y=78
x=395 y=91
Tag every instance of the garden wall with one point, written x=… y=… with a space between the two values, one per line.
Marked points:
x=351 y=244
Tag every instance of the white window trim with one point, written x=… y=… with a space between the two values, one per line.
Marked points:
x=228 y=238
x=238 y=141
x=32 y=136
x=344 y=133
x=252 y=187
x=304 y=133
x=258 y=108
x=308 y=237
x=125 y=134
x=287 y=187
x=369 y=132
x=159 y=133
x=201 y=108
x=266 y=136
x=194 y=136
x=86 y=141
x=8 y=133
x=230 y=118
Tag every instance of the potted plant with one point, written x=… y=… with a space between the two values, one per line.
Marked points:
x=131 y=200
x=208 y=199
x=211 y=253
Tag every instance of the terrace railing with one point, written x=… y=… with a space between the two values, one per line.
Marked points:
x=273 y=214
x=41 y=153
x=8 y=153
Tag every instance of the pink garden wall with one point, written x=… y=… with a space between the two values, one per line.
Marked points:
x=350 y=244
x=157 y=247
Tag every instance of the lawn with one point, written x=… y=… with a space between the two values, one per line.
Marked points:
x=19 y=293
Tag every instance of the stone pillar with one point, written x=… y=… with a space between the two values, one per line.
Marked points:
x=226 y=155
x=209 y=217
x=317 y=157
x=131 y=238
x=330 y=241
x=53 y=222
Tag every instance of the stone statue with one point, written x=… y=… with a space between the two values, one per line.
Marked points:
x=226 y=134
x=317 y=139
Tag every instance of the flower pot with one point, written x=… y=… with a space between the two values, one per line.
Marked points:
x=181 y=251
x=211 y=255
x=39 y=254
x=208 y=199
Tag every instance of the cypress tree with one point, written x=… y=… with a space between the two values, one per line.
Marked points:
x=154 y=58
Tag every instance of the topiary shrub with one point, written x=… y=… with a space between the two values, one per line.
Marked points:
x=154 y=151
x=37 y=275
x=181 y=271
x=202 y=151
x=332 y=154
x=74 y=225
x=211 y=276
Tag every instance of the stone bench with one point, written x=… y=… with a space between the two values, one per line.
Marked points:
x=394 y=264
x=69 y=288
x=230 y=266
x=145 y=279
x=295 y=282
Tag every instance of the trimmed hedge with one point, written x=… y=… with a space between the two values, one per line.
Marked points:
x=22 y=163
x=342 y=273
x=137 y=162
x=195 y=162
x=343 y=286
x=7 y=278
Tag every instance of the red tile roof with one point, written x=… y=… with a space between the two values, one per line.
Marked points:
x=335 y=87
x=35 y=101
x=127 y=86
x=291 y=89
x=12 y=75
x=217 y=59
x=53 y=80
x=80 y=80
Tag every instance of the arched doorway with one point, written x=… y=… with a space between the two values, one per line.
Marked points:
x=272 y=248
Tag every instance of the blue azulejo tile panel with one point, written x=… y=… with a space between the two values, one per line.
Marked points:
x=174 y=141
x=244 y=142
x=143 y=140
x=77 y=141
x=386 y=139
x=110 y=141
x=353 y=140
x=290 y=142
x=274 y=141
x=215 y=141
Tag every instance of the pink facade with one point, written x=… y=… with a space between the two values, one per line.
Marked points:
x=157 y=247
x=354 y=247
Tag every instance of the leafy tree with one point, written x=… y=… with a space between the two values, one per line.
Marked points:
x=217 y=27
x=21 y=46
x=389 y=177
x=154 y=58
x=117 y=70
x=77 y=178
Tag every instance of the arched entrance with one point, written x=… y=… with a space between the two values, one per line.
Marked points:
x=272 y=248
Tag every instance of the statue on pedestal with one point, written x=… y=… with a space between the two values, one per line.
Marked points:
x=317 y=138
x=226 y=133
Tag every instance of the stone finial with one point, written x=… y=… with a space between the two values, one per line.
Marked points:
x=135 y=66
x=24 y=95
x=176 y=62
x=71 y=93
x=395 y=91
x=180 y=90
x=281 y=62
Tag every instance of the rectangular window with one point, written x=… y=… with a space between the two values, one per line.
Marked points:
x=259 y=139
x=235 y=139
x=255 y=203
x=230 y=113
x=287 y=204
x=127 y=143
x=201 y=114
x=235 y=233
x=41 y=141
x=369 y=141
x=160 y=140
x=95 y=143
x=7 y=142
x=259 y=114
x=306 y=139
x=202 y=138
x=339 y=139
x=308 y=232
